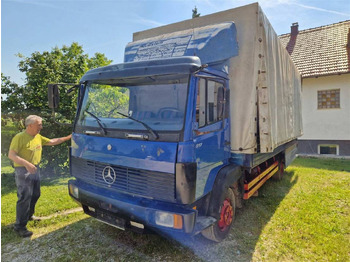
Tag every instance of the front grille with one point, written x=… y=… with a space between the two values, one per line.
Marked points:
x=144 y=183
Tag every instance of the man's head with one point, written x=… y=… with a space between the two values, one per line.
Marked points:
x=33 y=124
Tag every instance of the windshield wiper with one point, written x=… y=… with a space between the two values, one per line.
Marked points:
x=98 y=122
x=156 y=136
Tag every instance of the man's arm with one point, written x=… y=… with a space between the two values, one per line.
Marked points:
x=59 y=140
x=22 y=162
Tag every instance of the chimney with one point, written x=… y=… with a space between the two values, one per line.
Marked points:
x=294 y=29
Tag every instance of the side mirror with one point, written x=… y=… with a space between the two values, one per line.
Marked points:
x=53 y=96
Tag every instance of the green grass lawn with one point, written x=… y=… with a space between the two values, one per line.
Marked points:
x=54 y=199
x=312 y=222
x=303 y=217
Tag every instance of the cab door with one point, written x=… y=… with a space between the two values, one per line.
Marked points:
x=210 y=135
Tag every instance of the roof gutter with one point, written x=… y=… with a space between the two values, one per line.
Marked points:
x=330 y=74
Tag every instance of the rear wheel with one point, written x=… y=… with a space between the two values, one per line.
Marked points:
x=225 y=214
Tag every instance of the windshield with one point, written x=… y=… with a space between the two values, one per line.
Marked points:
x=141 y=104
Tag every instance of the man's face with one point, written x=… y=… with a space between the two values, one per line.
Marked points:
x=36 y=127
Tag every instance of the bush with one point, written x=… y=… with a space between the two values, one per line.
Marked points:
x=8 y=131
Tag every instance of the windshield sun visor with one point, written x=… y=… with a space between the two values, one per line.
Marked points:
x=126 y=72
x=200 y=41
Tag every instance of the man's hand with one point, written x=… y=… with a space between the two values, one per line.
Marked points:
x=22 y=162
x=59 y=140
x=31 y=168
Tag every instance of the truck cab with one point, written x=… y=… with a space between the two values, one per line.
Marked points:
x=147 y=140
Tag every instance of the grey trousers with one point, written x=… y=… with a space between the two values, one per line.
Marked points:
x=28 y=193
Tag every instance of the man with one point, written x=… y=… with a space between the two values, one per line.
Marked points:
x=25 y=151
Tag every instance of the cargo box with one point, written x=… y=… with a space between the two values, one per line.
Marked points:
x=265 y=86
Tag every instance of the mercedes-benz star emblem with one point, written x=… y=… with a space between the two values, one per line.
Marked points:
x=109 y=175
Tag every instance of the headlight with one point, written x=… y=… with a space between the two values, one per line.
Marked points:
x=166 y=219
x=74 y=191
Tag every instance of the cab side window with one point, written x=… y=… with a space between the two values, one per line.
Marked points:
x=201 y=102
x=207 y=102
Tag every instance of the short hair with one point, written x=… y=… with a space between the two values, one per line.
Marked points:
x=32 y=119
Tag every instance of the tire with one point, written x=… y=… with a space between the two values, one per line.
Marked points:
x=225 y=214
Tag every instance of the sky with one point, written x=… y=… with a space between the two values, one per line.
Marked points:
x=106 y=26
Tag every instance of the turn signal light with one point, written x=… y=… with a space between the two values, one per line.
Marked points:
x=178 y=224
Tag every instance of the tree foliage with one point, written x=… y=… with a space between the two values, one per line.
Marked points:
x=106 y=101
x=195 y=13
x=60 y=65
x=12 y=95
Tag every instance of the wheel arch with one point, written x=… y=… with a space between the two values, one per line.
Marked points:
x=224 y=179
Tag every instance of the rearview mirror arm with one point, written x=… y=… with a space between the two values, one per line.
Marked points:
x=53 y=93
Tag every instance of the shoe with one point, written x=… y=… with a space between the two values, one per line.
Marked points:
x=34 y=218
x=24 y=232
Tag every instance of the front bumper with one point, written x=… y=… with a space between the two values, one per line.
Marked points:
x=126 y=211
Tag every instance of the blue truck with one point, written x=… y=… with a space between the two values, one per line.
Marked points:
x=175 y=139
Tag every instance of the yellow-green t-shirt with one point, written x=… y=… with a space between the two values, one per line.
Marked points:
x=28 y=147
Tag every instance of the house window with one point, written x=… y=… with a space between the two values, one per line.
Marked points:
x=328 y=99
x=328 y=149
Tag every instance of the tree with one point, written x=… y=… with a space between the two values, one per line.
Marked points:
x=195 y=13
x=12 y=95
x=60 y=65
x=65 y=65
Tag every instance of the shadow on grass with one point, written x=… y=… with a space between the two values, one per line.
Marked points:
x=328 y=164
x=90 y=240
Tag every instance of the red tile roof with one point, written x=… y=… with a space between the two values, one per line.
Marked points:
x=320 y=51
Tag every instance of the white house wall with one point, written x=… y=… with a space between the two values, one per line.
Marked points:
x=326 y=124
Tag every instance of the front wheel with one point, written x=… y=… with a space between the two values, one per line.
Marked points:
x=226 y=215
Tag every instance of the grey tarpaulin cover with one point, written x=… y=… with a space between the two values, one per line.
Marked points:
x=265 y=97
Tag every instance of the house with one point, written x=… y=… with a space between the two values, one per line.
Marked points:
x=322 y=56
